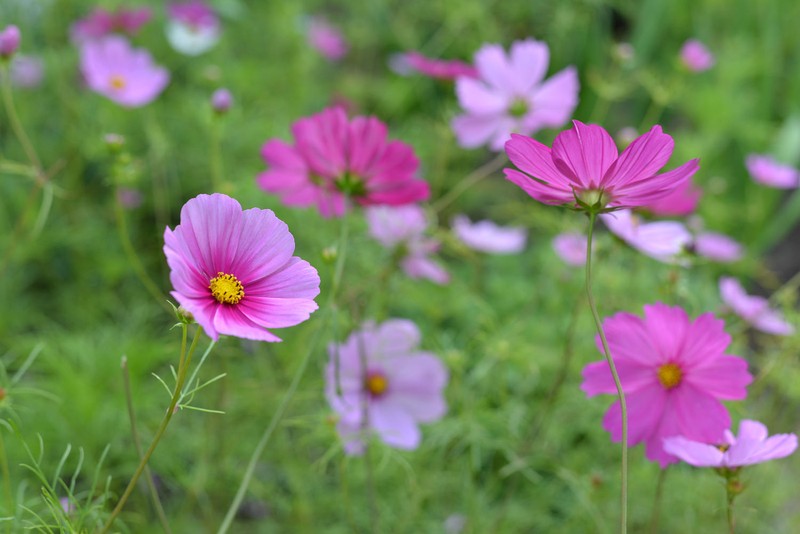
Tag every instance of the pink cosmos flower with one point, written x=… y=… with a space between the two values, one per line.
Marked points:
x=486 y=236
x=753 y=309
x=674 y=372
x=333 y=159
x=751 y=446
x=433 y=68
x=129 y=198
x=26 y=71
x=511 y=95
x=661 y=240
x=400 y=387
x=233 y=270
x=766 y=170
x=571 y=247
x=123 y=74
x=716 y=247
x=100 y=23
x=584 y=168
x=326 y=39
x=402 y=229
x=9 y=41
x=681 y=201
x=193 y=27
x=221 y=100
x=696 y=56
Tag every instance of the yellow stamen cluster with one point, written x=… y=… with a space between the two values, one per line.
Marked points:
x=669 y=375
x=377 y=384
x=118 y=82
x=226 y=288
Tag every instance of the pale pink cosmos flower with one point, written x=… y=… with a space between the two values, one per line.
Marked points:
x=221 y=100
x=334 y=159
x=123 y=74
x=571 y=247
x=767 y=171
x=193 y=27
x=234 y=271
x=511 y=95
x=326 y=39
x=753 y=309
x=681 y=201
x=674 y=372
x=26 y=71
x=753 y=445
x=399 y=388
x=129 y=198
x=9 y=41
x=661 y=240
x=100 y=23
x=716 y=247
x=486 y=236
x=696 y=56
x=434 y=68
x=584 y=168
x=401 y=229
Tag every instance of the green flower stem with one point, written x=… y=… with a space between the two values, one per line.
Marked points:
x=183 y=366
x=16 y=124
x=215 y=155
x=612 y=367
x=655 y=516
x=473 y=178
x=729 y=514
x=8 y=494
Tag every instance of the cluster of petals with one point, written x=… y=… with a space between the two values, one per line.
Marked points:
x=674 y=372
x=402 y=229
x=753 y=309
x=571 y=247
x=696 y=56
x=753 y=445
x=234 y=270
x=10 y=37
x=193 y=27
x=486 y=236
x=434 y=68
x=334 y=159
x=398 y=388
x=326 y=39
x=585 y=166
x=767 y=171
x=126 y=75
x=664 y=241
x=101 y=22
x=510 y=95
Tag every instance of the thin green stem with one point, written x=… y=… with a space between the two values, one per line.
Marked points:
x=655 y=516
x=216 y=155
x=620 y=394
x=470 y=180
x=16 y=124
x=9 y=495
x=185 y=360
x=729 y=515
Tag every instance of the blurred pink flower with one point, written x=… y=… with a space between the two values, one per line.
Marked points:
x=123 y=74
x=661 y=240
x=221 y=100
x=766 y=170
x=674 y=372
x=326 y=39
x=753 y=309
x=129 y=198
x=26 y=71
x=400 y=387
x=584 y=168
x=571 y=247
x=511 y=95
x=696 y=56
x=333 y=159
x=434 y=68
x=233 y=270
x=100 y=23
x=401 y=229
x=9 y=41
x=486 y=236
x=681 y=201
x=751 y=446
x=193 y=27
x=716 y=247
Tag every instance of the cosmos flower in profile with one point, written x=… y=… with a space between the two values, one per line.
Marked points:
x=101 y=22
x=379 y=382
x=440 y=69
x=123 y=74
x=696 y=56
x=326 y=38
x=234 y=271
x=664 y=241
x=571 y=247
x=753 y=309
x=510 y=95
x=768 y=171
x=486 y=236
x=193 y=27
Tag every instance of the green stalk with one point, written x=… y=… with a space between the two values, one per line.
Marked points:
x=9 y=496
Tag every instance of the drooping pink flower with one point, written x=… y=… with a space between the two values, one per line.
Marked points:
x=571 y=247
x=767 y=171
x=234 y=271
x=511 y=95
x=584 y=168
x=696 y=56
x=401 y=229
x=753 y=309
x=400 y=387
x=326 y=39
x=333 y=159
x=661 y=240
x=123 y=74
x=100 y=23
x=193 y=28
x=486 y=236
x=753 y=445
x=716 y=247
x=681 y=201
x=9 y=41
x=674 y=372
x=435 y=68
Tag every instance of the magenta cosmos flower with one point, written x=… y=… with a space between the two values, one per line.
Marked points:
x=753 y=445
x=193 y=27
x=333 y=159
x=123 y=74
x=434 y=68
x=100 y=23
x=326 y=39
x=511 y=95
x=400 y=387
x=753 y=309
x=233 y=270
x=696 y=56
x=486 y=236
x=661 y=240
x=402 y=229
x=584 y=168
x=767 y=171
x=674 y=372
x=571 y=247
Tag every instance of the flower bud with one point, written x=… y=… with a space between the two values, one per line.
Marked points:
x=221 y=101
x=9 y=41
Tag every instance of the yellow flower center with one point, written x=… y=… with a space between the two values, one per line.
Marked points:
x=118 y=82
x=377 y=384
x=669 y=375
x=226 y=288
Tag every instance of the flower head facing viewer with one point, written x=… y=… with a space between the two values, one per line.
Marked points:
x=234 y=271
x=585 y=170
